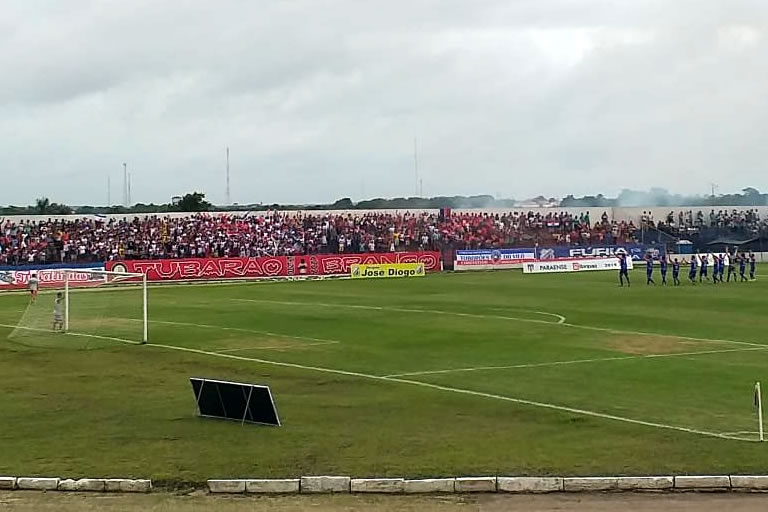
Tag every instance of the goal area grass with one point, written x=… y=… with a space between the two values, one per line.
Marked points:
x=451 y=374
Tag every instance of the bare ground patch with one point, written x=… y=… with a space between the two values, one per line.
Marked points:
x=103 y=324
x=646 y=345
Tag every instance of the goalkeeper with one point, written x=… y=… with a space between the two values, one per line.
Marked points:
x=58 y=313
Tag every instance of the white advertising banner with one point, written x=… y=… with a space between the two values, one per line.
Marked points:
x=51 y=277
x=573 y=265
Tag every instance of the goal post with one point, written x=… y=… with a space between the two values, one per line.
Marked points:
x=95 y=279
x=92 y=307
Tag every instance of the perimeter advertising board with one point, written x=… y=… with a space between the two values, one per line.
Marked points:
x=387 y=270
x=573 y=265
x=488 y=259
x=636 y=252
x=12 y=279
x=314 y=265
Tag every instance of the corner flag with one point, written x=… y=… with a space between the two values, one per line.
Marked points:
x=759 y=407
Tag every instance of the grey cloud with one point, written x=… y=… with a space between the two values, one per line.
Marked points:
x=320 y=100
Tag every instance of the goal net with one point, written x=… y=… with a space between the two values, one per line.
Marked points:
x=84 y=310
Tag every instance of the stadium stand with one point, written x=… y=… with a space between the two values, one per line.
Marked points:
x=24 y=242
x=703 y=228
x=280 y=233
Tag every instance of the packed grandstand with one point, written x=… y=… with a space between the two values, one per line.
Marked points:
x=25 y=242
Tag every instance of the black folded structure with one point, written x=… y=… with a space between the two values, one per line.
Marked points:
x=246 y=403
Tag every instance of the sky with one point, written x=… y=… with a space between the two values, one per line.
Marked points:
x=323 y=99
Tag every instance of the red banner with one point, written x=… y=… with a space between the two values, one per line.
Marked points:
x=277 y=266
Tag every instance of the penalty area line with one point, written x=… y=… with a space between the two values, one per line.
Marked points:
x=576 y=361
x=521 y=401
x=499 y=317
x=402 y=310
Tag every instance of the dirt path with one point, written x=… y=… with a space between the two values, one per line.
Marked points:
x=161 y=502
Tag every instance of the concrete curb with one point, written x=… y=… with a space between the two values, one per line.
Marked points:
x=476 y=484
x=592 y=483
x=284 y=486
x=325 y=484
x=703 y=483
x=749 y=483
x=529 y=484
x=430 y=485
x=7 y=483
x=379 y=485
x=646 y=483
x=10 y=483
x=37 y=484
x=226 y=486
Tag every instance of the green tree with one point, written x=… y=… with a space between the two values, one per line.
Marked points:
x=42 y=205
x=194 y=202
x=343 y=204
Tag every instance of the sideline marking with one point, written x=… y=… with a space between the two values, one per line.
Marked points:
x=522 y=401
x=317 y=341
x=578 y=361
x=498 y=317
x=544 y=405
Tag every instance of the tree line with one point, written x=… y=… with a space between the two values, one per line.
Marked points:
x=196 y=202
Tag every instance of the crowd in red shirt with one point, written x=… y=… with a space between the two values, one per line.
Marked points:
x=289 y=233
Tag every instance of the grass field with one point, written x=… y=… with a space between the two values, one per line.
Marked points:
x=478 y=373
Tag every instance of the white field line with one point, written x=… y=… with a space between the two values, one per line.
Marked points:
x=560 y=318
x=397 y=310
x=319 y=341
x=577 y=361
x=285 y=347
x=544 y=405
x=83 y=335
x=498 y=317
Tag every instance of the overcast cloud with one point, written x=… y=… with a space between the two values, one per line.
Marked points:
x=322 y=99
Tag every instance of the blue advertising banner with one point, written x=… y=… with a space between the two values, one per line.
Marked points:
x=636 y=251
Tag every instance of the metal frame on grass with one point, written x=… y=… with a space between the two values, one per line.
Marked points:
x=243 y=385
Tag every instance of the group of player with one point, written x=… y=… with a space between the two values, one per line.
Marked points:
x=698 y=266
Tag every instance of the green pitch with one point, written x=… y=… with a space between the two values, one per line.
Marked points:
x=452 y=374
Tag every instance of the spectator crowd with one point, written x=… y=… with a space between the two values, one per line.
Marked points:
x=291 y=233
x=744 y=223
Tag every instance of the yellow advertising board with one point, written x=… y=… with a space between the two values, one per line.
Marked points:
x=379 y=270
